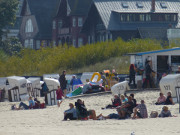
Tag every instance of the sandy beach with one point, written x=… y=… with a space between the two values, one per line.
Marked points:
x=49 y=121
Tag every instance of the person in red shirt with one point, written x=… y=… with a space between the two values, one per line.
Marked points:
x=59 y=94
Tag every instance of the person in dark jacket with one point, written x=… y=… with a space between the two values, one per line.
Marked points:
x=82 y=111
x=132 y=73
x=169 y=100
x=115 y=103
x=63 y=82
x=148 y=71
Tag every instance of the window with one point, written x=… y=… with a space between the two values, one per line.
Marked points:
x=148 y=17
x=123 y=17
x=167 y=17
x=175 y=59
x=59 y=43
x=89 y=39
x=92 y=37
x=38 y=44
x=74 y=42
x=174 y=18
x=80 y=42
x=132 y=17
x=54 y=24
x=163 y=5
x=31 y=44
x=60 y=23
x=26 y=43
x=80 y=20
x=74 y=22
x=141 y=17
x=139 y=4
x=54 y=43
x=124 y=4
x=128 y=17
x=29 y=26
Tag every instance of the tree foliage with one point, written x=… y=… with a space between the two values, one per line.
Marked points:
x=51 y=60
x=11 y=46
x=7 y=13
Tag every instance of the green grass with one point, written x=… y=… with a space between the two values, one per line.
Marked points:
x=93 y=57
x=120 y=64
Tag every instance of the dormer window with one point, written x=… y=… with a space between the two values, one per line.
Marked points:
x=163 y=5
x=29 y=26
x=60 y=24
x=139 y=4
x=125 y=5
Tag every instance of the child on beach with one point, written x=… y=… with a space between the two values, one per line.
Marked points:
x=165 y=112
x=59 y=94
x=123 y=99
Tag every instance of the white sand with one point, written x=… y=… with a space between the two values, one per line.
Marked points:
x=49 y=121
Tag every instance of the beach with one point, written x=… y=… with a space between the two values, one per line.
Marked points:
x=48 y=121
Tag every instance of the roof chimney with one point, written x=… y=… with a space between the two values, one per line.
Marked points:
x=152 y=5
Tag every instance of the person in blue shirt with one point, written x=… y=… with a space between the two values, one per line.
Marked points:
x=70 y=113
x=30 y=106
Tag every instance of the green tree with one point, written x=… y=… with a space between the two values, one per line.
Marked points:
x=8 y=10
x=11 y=46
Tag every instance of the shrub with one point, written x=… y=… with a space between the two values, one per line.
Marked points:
x=50 y=60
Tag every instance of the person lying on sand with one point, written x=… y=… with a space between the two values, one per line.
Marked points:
x=30 y=106
x=110 y=116
x=115 y=103
x=161 y=100
x=70 y=113
x=82 y=111
x=140 y=111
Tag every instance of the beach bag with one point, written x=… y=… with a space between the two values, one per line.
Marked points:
x=42 y=105
x=154 y=114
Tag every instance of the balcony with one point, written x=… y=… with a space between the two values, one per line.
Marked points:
x=64 y=31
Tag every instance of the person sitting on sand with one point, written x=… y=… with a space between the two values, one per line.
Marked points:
x=140 y=111
x=59 y=94
x=133 y=99
x=31 y=105
x=126 y=109
x=82 y=111
x=161 y=100
x=70 y=113
x=165 y=112
x=115 y=102
x=169 y=100
x=123 y=99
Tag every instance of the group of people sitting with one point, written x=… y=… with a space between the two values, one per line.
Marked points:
x=126 y=107
x=162 y=100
